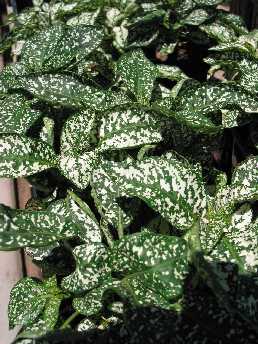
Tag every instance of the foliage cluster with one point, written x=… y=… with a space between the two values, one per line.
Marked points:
x=144 y=168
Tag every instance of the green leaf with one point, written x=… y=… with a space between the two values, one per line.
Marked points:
x=196 y=17
x=129 y=128
x=16 y=114
x=85 y=219
x=138 y=73
x=23 y=228
x=239 y=244
x=22 y=156
x=211 y=98
x=172 y=187
x=218 y=31
x=153 y=267
x=47 y=132
x=105 y=192
x=91 y=268
x=79 y=169
x=39 y=253
x=76 y=133
x=234 y=21
x=92 y=302
x=208 y=2
x=63 y=90
x=68 y=91
x=244 y=184
x=27 y=300
x=58 y=45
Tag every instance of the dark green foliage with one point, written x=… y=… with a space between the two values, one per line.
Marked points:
x=145 y=175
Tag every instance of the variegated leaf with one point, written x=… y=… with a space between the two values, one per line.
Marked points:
x=46 y=321
x=86 y=325
x=129 y=128
x=47 y=132
x=41 y=228
x=76 y=133
x=16 y=114
x=92 y=302
x=91 y=268
x=138 y=73
x=222 y=33
x=170 y=186
x=211 y=98
x=62 y=89
x=23 y=156
x=239 y=244
x=79 y=169
x=196 y=17
x=27 y=300
x=58 y=45
x=244 y=184
x=154 y=267
x=85 y=219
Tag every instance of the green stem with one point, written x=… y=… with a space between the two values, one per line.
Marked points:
x=106 y=232
x=81 y=204
x=69 y=320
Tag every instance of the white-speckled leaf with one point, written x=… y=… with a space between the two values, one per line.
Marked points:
x=239 y=245
x=62 y=89
x=92 y=302
x=22 y=156
x=216 y=30
x=76 y=133
x=86 y=325
x=85 y=220
x=79 y=169
x=244 y=185
x=138 y=73
x=129 y=128
x=196 y=101
x=16 y=114
x=41 y=228
x=173 y=188
x=39 y=253
x=196 y=17
x=91 y=268
x=105 y=194
x=58 y=45
x=154 y=267
x=46 y=321
x=27 y=300
x=47 y=132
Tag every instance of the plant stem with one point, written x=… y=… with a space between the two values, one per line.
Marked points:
x=107 y=234
x=81 y=204
x=69 y=320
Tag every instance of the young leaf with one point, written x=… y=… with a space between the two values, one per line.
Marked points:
x=129 y=128
x=22 y=156
x=153 y=266
x=16 y=114
x=91 y=268
x=27 y=300
x=172 y=187
x=138 y=73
